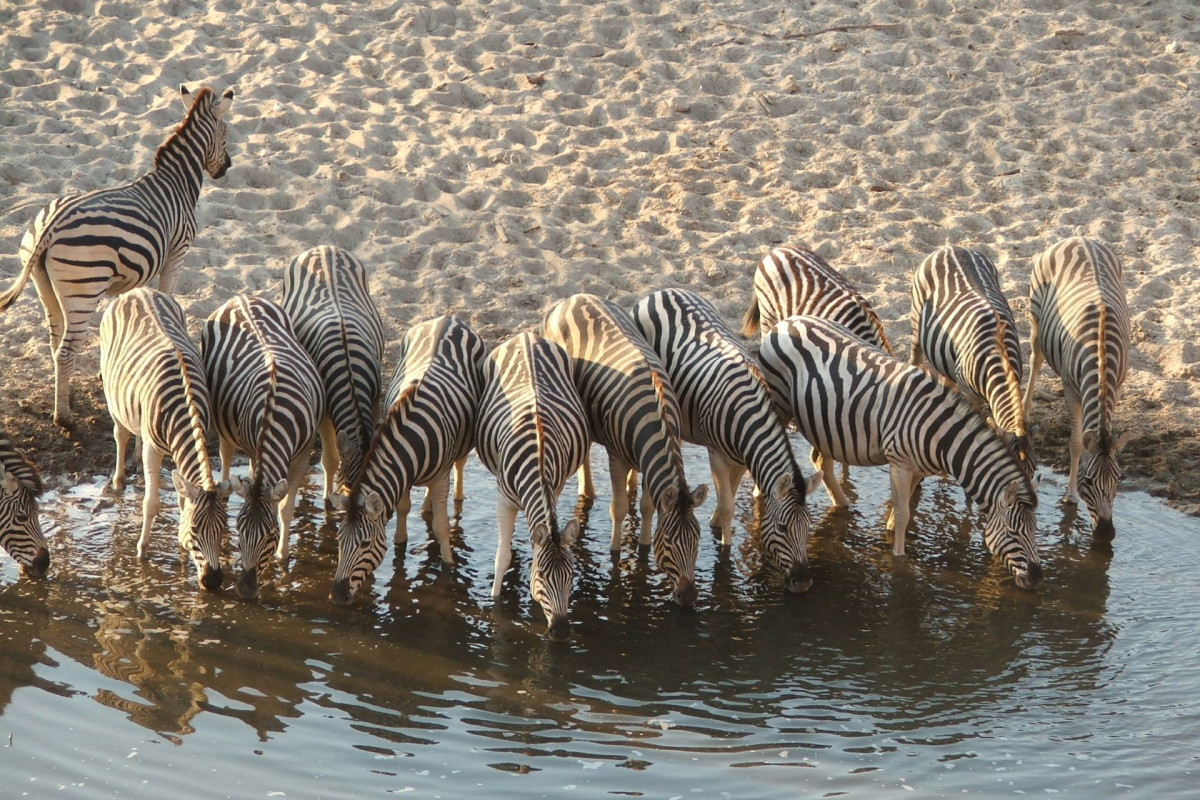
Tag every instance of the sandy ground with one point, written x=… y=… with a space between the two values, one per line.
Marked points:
x=488 y=159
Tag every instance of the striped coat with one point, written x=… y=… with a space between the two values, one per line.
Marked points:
x=268 y=401
x=429 y=424
x=20 y=529
x=155 y=388
x=328 y=302
x=83 y=246
x=1080 y=326
x=857 y=404
x=532 y=435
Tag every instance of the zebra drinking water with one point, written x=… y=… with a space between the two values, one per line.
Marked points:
x=155 y=388
x=857 y=404
x=726 y=407
x=428 y=425
x=1080 y=327
x=326 y=298
x=633 y=413
x=109 y=241
x=532 y=434
x=20 y=528
x=268 y=402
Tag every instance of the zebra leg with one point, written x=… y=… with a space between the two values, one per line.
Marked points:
x=76 y=311
x=1035 y=364
x=619 y=507
x=439 y=490
x=646 y=507
x=287 y=506
x=329 y=457
x=151 y=463
x=832 y=487
x=55 y=322
x=226 y=450
x=901 y=479
x=722 y=516
x=170 y=270
x=402 y=509
x=459 y=467
x=506 y=520
x=587 y=489
x=1076 y=410
x=121 y=438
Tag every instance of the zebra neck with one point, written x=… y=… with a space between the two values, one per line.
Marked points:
x=180 y=163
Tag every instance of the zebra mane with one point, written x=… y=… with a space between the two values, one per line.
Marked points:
x=1102 y=367
x=203 y=100
x=1011 y=381
x=20 y=466
x=660 y=394
x=401 y=401
x=197 y=424
x=873 y=318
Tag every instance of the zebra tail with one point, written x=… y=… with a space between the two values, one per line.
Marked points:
x=752 y=321
x=32 y=251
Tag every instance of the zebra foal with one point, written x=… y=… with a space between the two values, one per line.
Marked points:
x=532 y=434
x=726 y=407
x=857 y=404
x=963 y=325
x=1080 y=327
x=429 y=424
x=20 y=528
x=155 y=388
x=326 y=298
x=632 y=411
x=268 y=401
x=109 y=241
x=793 y=280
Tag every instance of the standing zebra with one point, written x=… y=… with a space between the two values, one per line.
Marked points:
x=20 y=529
x=963 y=325
x=268 y=402
x=532 y=434
x=155 y=388
x=109 y=241
x=794 y=280
x=632 y=411
x=1080 y=326
x=857 y=404
x=428 y=426
x=727 y=408
x=326 y=298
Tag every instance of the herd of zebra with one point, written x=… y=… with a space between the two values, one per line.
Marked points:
x=273 y=378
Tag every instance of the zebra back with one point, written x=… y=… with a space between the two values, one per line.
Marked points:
x=20 y=528
x=727 y=407
x=328 y=302
x=857 y=404
x=963 y=324
x=793 y=280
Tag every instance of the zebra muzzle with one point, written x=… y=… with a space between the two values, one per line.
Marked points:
x=247 y=585
x=211 y=578
x=686 y=593
x=341 y=594
x=799 y=579
x=559 y=629
x=39 y=566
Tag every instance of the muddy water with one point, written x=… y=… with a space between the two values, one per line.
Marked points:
x=935 y=674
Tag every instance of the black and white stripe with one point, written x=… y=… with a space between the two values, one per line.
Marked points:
x=326 y=297
x=857 y=404
x=20 y=528
x=792 y=280
x=963 y=325
x=532 y=434
x=268 y=402
x=1080 y=326
x=83 y=246
x=155 y=388
x=633 y=413
x=428 y=425
x=727 y=408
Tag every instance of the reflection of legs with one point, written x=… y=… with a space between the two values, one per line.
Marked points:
x=151 y=462
x=121 y=438
x=329 y=455
x=1076 y=410
x=506 y=519
x=619 y=507
x=901 y=479
x=439 y=491
x=825 y=466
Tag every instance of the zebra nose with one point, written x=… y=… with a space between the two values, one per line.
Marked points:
x=1031 y=578
x=211 y=578
x=247 y=585
x=686 y=593
x=340 y=594
x=559 y=630
x=799 y=579
x=1104 y=532
x=40 y=564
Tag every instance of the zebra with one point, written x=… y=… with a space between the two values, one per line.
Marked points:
x=327 y=300
x=429 y=423
x=20 y=528
x=633 y=412
x=963 y=325
x=1080 y=327
x=727 y=408
x=532 y=435
x=794 y=280
x=108 y=241
x=268 y=401
x=155 y=388
x=857 y=404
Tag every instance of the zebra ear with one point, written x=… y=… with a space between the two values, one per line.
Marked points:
x=239 y=486
x=8 y=482
x=224 y=489
x=339 y=501
x=279 y=490
x=782 y=488
x=373 y=504
x=570 y=532
x=224 y=104
x=185 y=96
x=812 y=483
x=346 y=444
x=1090 y=439
x=538 y=534
x=185 y=488
x=699 y=495
x=1120 y=441
x=1010 y=493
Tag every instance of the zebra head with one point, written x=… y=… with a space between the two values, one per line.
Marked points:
x=203 y=524
x=361 y=542
x=1099 y=474
x=677 y=539
x=258 y=530
x=20 y=530
x=785 y=528
x=1010 y=532
x=207 y=117
x=551 y=573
